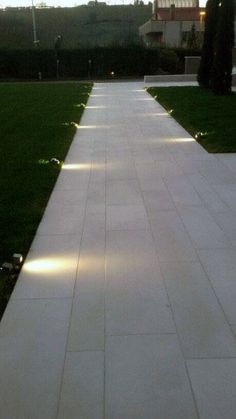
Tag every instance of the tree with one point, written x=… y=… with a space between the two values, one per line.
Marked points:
x=192 y=41
x=205 y=68
x=221 y=80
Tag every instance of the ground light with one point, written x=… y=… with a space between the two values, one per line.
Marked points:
x=12 y=268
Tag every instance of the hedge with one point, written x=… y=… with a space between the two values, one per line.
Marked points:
x=127 y=61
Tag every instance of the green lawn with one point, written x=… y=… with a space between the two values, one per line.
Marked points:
x=35 y=123
x=199 y=110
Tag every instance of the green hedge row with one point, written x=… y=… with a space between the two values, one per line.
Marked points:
x=99 y=62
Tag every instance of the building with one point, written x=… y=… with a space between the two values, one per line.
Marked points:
x=174 y=23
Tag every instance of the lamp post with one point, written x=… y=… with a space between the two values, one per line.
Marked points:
x=57 y=45
x=36 y=41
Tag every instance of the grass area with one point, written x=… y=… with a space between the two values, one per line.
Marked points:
x=35 y=123
x=200 y=111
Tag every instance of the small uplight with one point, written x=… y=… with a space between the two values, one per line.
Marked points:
x=112 y=73
x=171 y=111
x=17 y=259
x=44 y=265
x=80 y=105
x=55 y=161
x=75 y=125
x=13 y=268
x=155 y=97
x=201 y=135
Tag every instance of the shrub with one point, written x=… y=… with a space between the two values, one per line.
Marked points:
x=168 y=60
x=125 y=61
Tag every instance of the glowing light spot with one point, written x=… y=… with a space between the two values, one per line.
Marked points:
x=46 y=265
x=99 y=95
x=96 y=107
x=86 y=126
x=146 y=98
x=76 y=166
x=184 y=140
x=154 y=114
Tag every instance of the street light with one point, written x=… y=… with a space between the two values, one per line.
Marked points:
x=36 y=41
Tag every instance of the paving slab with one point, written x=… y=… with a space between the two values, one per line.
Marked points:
x=146 y=379
x=125 y=306
x=33 y=339
x=214 y=385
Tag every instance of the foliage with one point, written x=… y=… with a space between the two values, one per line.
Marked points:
x=193 y=41
x=204 y=73
x=169 y=60
x=216 y=64
x=125 y=61
x=81 y=26
x=222 y=64
x=35 y=127
x=200 y=112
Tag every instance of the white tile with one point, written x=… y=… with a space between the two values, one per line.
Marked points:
x=137 y=306
x=50 y=268
x=127 y=217
x=82 y=387
x=220 y=266
x=171 y=239
x=123 y=192
x=143 y=373
x=227 y=222
x=32 y=349
x=130 y=253
x=62 y=219
x=182 y=192
x=200 y=322
x=207 y=193
x=88 y=313
x=214 y=386
x=155 y=201
x=202 y=228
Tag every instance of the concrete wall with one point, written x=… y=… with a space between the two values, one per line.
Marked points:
x=171 y=30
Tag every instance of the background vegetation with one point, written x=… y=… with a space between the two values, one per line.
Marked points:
x=78 y=26
x=124 y=61
x=32 y=121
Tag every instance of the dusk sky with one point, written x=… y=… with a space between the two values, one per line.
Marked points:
x=65 y=3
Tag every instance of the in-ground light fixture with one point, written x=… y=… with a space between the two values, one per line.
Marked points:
x=12 y=268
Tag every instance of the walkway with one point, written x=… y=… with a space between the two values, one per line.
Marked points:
x=125 y=307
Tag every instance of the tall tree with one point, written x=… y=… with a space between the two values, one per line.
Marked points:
x=222 y=64
x=204 y=72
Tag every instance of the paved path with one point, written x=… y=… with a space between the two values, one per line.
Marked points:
x=125 y=307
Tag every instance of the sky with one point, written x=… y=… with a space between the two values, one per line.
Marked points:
x=65 y=3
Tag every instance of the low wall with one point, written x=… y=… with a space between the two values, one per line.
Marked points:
x=177 y=78
x=170 y=78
